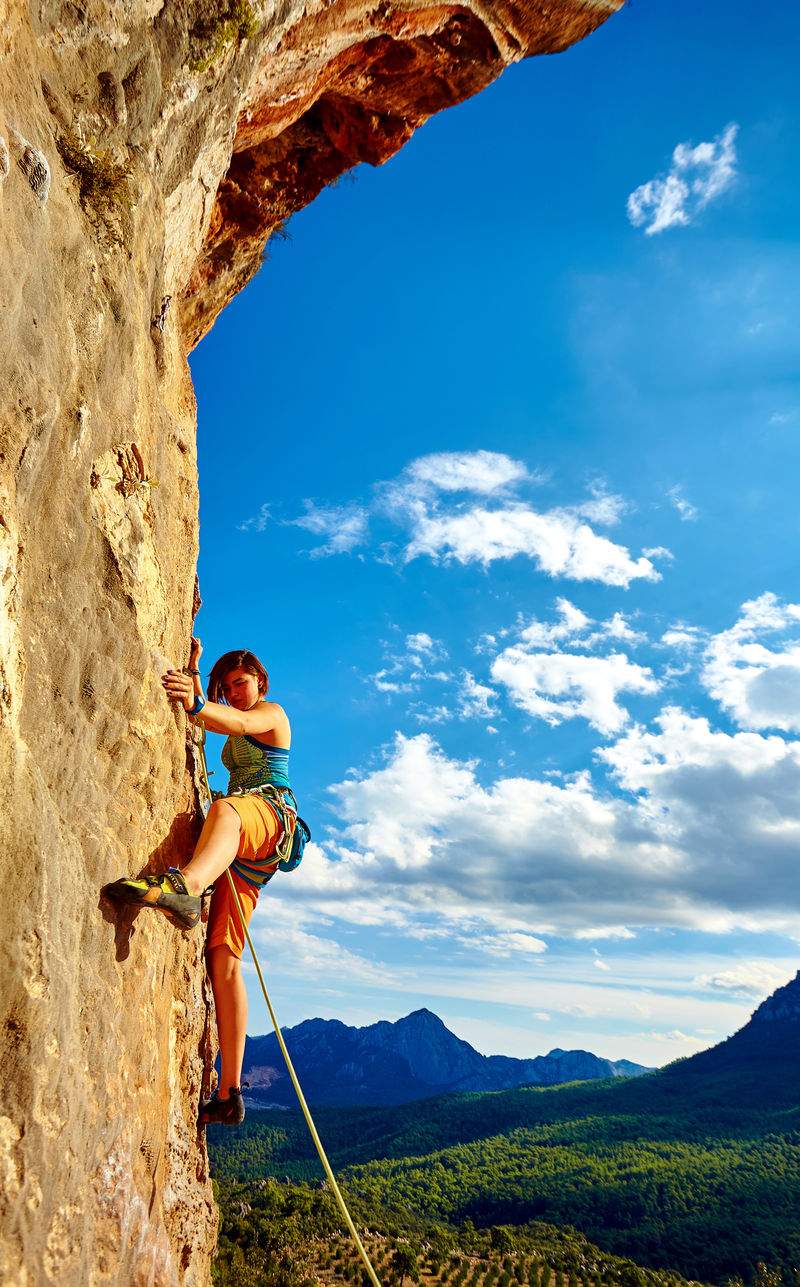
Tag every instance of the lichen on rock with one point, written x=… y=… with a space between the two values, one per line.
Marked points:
x=106 y=1021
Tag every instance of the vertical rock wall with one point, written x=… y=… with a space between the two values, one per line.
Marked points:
x=209 y=130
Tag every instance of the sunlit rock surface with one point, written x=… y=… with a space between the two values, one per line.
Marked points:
x=220 y=123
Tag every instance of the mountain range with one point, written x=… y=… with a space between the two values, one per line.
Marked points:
x=695 y=1167
x=395 y=1063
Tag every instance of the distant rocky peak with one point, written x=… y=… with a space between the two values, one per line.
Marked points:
x=783 y=1006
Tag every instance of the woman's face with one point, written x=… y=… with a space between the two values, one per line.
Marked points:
x=241 y=689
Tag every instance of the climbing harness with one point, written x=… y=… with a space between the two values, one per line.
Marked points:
x=200 y=744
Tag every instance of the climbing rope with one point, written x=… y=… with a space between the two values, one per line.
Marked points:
x=301 y=1097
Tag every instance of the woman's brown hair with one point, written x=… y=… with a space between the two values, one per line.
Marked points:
x=232 y=661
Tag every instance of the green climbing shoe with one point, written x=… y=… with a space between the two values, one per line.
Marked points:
x=227 y=1112
x=168 y=893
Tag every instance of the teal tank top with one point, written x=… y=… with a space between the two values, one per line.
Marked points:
x=252 y=764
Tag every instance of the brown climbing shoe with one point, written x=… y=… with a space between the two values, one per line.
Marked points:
x=227 y=1112
x=168 y=893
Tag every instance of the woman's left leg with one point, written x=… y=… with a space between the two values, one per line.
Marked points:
x=230 y=1000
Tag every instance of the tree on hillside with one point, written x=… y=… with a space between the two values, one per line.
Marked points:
x=503 y=1239
x=405 y=1263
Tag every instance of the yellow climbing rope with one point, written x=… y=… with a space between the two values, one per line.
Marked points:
x=301 y=1097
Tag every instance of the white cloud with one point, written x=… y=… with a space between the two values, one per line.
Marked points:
x=560 y=543
x=421 y=645
x=385 y=683
x=515 y=943
x=618 y=627
x=555 y=685
x=755 y=979
x=423 y=500
x=683 y=637
x=559 y=686
x=345 y=526
x=540 y=634
x=476 y=700
x=698 y=175
x=479 y=472
x=706 y=840
x=760 y=687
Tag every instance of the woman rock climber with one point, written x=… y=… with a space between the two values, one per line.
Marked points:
x=242 y=832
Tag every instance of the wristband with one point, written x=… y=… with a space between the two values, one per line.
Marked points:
x=199 y=703
x=192 y=670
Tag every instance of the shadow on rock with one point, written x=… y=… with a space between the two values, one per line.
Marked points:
x=174 y=851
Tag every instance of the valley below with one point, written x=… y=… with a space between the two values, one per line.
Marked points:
x=691 y=1172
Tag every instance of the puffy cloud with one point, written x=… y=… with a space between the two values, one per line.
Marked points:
x=685 y=638
x=476 y=700
x=618 y=628
x=480 y=472
x=706 y=839
x=698 y=175
x=559 y=686
x=421 y=645
x=760 y=687
x=541 y=634
x=555 y=685
x=558 y=541
x=423 y=501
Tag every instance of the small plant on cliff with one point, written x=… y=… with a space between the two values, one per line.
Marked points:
x=103 y=184
x=241 y=24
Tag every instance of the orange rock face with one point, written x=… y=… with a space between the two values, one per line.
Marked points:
x=350 y=83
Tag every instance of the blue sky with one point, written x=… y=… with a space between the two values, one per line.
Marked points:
x=498 y=463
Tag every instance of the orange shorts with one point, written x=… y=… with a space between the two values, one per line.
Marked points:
x=260 y=832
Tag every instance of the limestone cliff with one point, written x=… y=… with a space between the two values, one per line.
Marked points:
x=147 y=150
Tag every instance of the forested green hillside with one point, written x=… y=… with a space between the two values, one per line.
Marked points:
x=286 y=1235
x=693 y=1173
